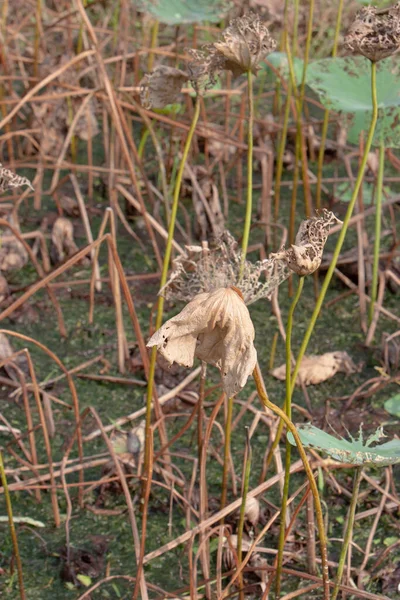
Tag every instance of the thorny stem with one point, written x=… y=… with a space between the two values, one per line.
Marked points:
x=249 y=200
x=12 y=528
x=164 y=274
x=288 y=411
x=378 y=222
x=349 y=530
x=314 y=490
x=227 y=452
x=343 y=231
x=325 y=124
x=246 y=479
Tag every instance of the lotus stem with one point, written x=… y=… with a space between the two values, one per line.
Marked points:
x=349 y=530
x=288 y=455
x=325 y=124
x=249 y=200
x=246 y=479
x=314 y=490
x=164 y=273
x=12 y=528
x=343 y=231
x=378 y=224
x=227 y=452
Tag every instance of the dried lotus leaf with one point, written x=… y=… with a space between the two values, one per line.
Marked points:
x=162 y=86
x=316 y=369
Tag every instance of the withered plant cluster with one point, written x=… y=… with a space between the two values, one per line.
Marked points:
x=142 y=176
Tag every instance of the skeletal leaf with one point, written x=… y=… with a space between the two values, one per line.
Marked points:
x=10 y=180
x=375 y=35
x=215 y=327
x=354 y=452
x=316 y=369
x=162 y=86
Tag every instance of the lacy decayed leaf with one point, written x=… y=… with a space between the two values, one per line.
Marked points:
x=375 y=35
x=162 y=86
x=9 y=180
x=204 y=270
x=203 y=69
x=316 y=369
x=216 y=328
x=305 y=255
x=354 y=452
x=245 y=43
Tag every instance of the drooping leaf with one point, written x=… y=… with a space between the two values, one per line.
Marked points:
x=344 y=85
x=354 y=452
x=177 y=12
x=393 y=405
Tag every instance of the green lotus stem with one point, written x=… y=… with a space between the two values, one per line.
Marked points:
x=295 y=25
x=288 y=456
x=153 y=44
x=246 y=480
x=314 y=490
x=307 y=50
x=378 y=224
x=227 y=452
x=164 y=273
x=13 y=533
x=80 y=34
x=325 y=124
x=249 y=200
x=349 y=531
x=343 y=231
x=281 y=152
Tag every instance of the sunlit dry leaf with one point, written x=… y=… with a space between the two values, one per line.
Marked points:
x=216 y=328
x=13 y=255
x=62 y=239
x=162 y=86
x=316 y=369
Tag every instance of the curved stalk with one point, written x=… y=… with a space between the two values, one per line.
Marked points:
x=249 y=199
x=288 y=456
x=314 y=490
x=349 y=531
x=164 y=274
x=378 y=223
x=325 y=124
x=343 y=231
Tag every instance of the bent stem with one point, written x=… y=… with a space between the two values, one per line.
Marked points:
x=343 y=231
x=227 y=452
x=249 y=199
x=164 y=274
x=378 y=222
x=12 y=528
x=349 y=530
x=288 y=412
x=314 y=490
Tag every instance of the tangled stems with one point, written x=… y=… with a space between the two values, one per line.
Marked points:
x=288 y=411
x=164 y=274
x=7 y=498
x=249 y=198
x=314 y=490
x=378 y=222
x=349 y=531
x=343 y=231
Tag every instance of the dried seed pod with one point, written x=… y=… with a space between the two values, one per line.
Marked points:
x=10 y=180
x=162 y=86
x=305 y=255
x=230 y=547
x=252 y=510
x=245 y=43
x=375 y=34
x=215 y=327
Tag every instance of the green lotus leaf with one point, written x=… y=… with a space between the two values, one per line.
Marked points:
x=393 y=405
x=178 y=12
x=344 y=85
x=280 y=62
x=355 y=452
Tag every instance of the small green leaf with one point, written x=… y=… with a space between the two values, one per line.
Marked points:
x=390 y=540
x=177 y=12
x=344 y=85
x=353 y=452
x=84 y=580
x=393 y=405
